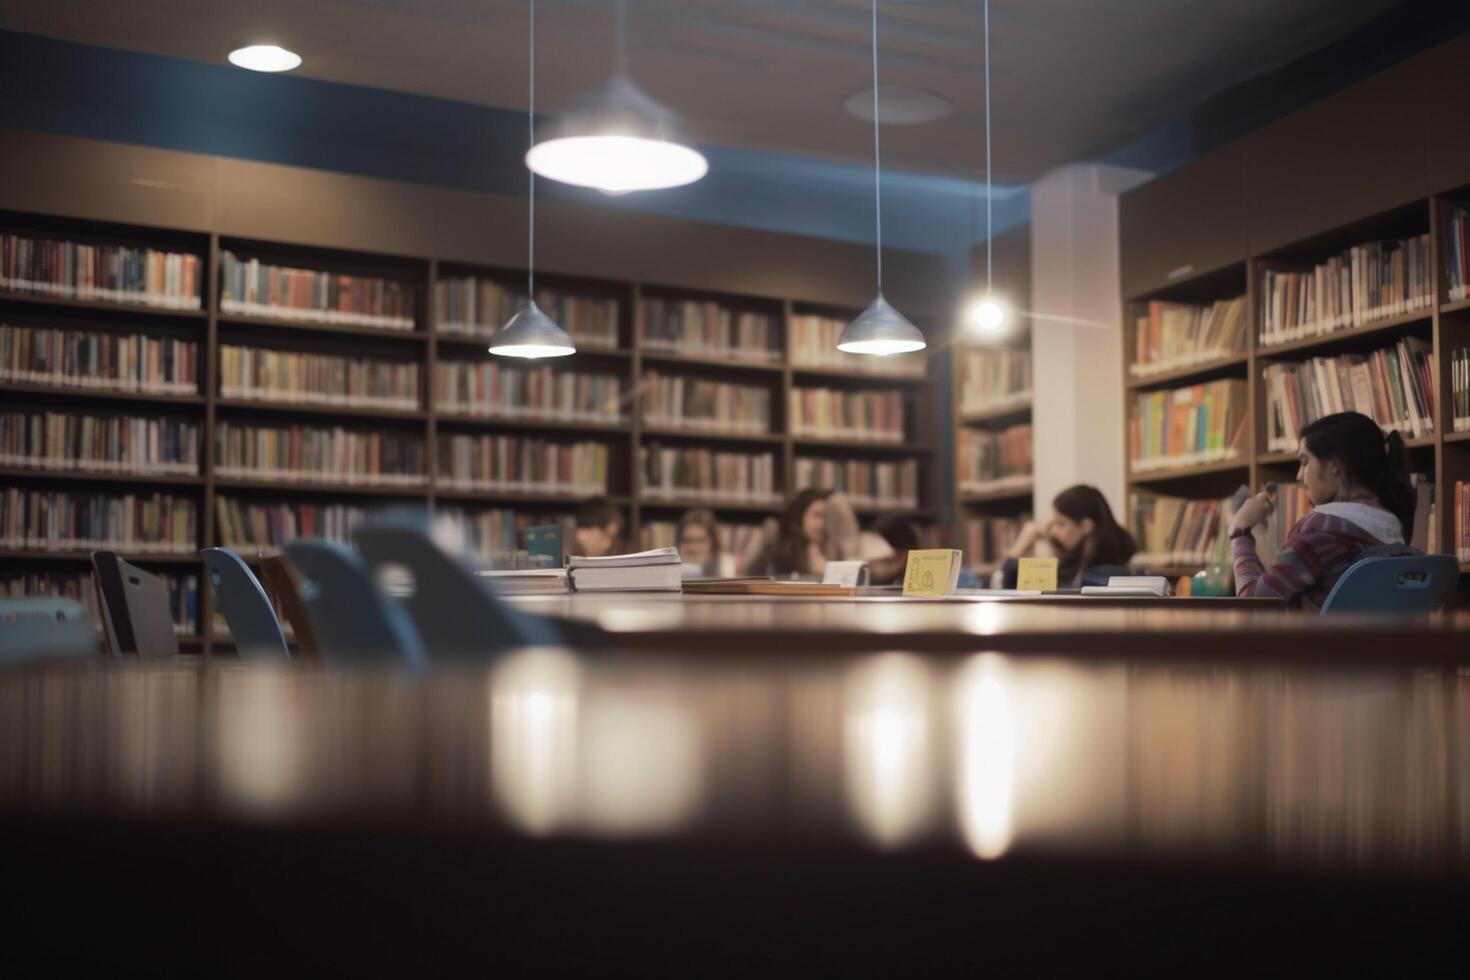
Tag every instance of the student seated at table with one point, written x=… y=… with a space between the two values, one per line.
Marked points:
x=698 y=541
x=1361 y=498
x=1088 y=542
x=599 y=528
x=799 y=548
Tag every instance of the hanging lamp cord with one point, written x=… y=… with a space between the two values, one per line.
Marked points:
x=989 y=187
x=531 y=174
x=877 y=155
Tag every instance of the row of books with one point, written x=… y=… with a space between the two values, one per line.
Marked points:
x=1460 y=390
x=251 y=525
x=708 y=329
x=100 y=361
x=516 y=463
x=250 y=287
x=493 y=389
x=1176 y=530
x=1290 y=504
x=986 y=540
x=1462 y=521
x=1393 y=386
x=1367 y=282
x=814 y=344
x=1189 y=426
x=1177 y=335
x=676 y=402
x=473 y=306
x=1458 y=260
x=870 y=416
x=986 y=460
x=182 y=591
x=260 y=374
x=100 y=273
x=310 y=454
x=99 y=444
x=679 y=472
x=496 y=532
x=994 y=378
x=44 y=520
x=866 y=483
x=743 y=542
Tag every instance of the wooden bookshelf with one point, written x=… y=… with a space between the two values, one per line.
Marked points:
x=425 y=347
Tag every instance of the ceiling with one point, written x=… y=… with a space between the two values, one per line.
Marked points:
x=1071 y=78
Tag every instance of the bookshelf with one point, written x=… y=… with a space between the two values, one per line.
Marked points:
x=410 y=362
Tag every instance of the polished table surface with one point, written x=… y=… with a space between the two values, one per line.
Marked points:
x=887 y=810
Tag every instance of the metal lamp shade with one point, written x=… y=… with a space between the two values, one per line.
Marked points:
x=880 y=330
x=531 y=334
x=617 y=139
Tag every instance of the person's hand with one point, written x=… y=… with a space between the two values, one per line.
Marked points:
x=1254 y=511
x=1026 y=540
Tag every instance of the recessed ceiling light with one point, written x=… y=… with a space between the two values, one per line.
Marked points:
x=265 y=57
x=899 y=105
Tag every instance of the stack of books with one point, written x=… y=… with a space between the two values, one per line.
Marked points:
x=866 y=483
x=249 y=287
x=659 y=570
x=491 y=389
x=708 y=330
x=1366 y=283
x=528 y=581
x=994 y=379
x=991 y=461
x=828 y=413
x=814 y=345
x=290 y=377
x=99 y=361
x=520 y=464
x=105 y=273
x=710 y=406
x=473 y=306
x=1175 y=530
x=708 y=476
x=1178 y=335
x=307 y=454
x=1191 y=426
x=1394 y=387
x=99 y=443
x=250 y=525
x=60 y=521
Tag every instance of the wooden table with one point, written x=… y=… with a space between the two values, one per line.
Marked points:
x=1133 y=628
x=687 y=814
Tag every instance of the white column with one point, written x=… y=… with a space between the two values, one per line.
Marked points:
x=1078 y=370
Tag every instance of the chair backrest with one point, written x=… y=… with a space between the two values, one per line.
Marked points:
x=353 y=621
x=135 y=608
x=252 y=620
x=44 y=628
x=456 y=613
x=1404 y=584
x=282 y=581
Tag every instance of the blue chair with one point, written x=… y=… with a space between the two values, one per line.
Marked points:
x=354 y=622
x=456 y=613
x=41 y=628
x=1401 y=584
x=247 y=608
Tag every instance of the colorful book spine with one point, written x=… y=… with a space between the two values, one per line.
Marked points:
x=986 y=540
x=707 y=329
x=1176 y=531
x=308 y=454
x=490 y=389
x=1191 y=426
x=98 y=361
x=496 y=532
x=471 y=306
x=100 y=273
x=988 y=461
x=183 y=594
x=249 y=287
x=708 y=477
x=1366 y=283
x=814 y=345
x=99 y=444
x=251 y=525
x=711 y=406
x=994 y=379
x=1171 y=336
x=1394 y=387
x=40 y=520
x=867 y=416
x=289 y=377
x=1460 y=390
x=864 y=482
x=517 y=464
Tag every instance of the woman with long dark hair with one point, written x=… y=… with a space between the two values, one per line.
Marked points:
x=799 y=545
x=1361 y=498
x=1082 y=533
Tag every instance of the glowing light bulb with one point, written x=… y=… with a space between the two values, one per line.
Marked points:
x=986 y=315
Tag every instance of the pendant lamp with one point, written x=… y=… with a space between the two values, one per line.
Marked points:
x=987 y=314
x=531 y=333
x=880 y=329
x=617 y=139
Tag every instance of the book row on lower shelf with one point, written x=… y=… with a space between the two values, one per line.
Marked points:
x=489 y=463
x=43 y=520
x=250 y=287
x=989 y=378
x=865 y=483
x=1462 y=521
x=814 y=345
x=64 y=441
x=492 y=389
x=290 y=377
x=1394 y=387
x=182 y=592
x=984 y=458
x=107 y=273
x=1172 y=336
x=674 y=473
x=868 y=416
x=1175 y=531
x=739 y=544
x=707 y=329
x=689 y=403
x=1458 y=260
x=310 y=454
x=1368 y=282
x=1194 y=425
x=986 y=540
x=1460 y=390
x=98 y=361
x=474 y=306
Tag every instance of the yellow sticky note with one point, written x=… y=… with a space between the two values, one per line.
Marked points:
x=1037 y=575
x=932 y=571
